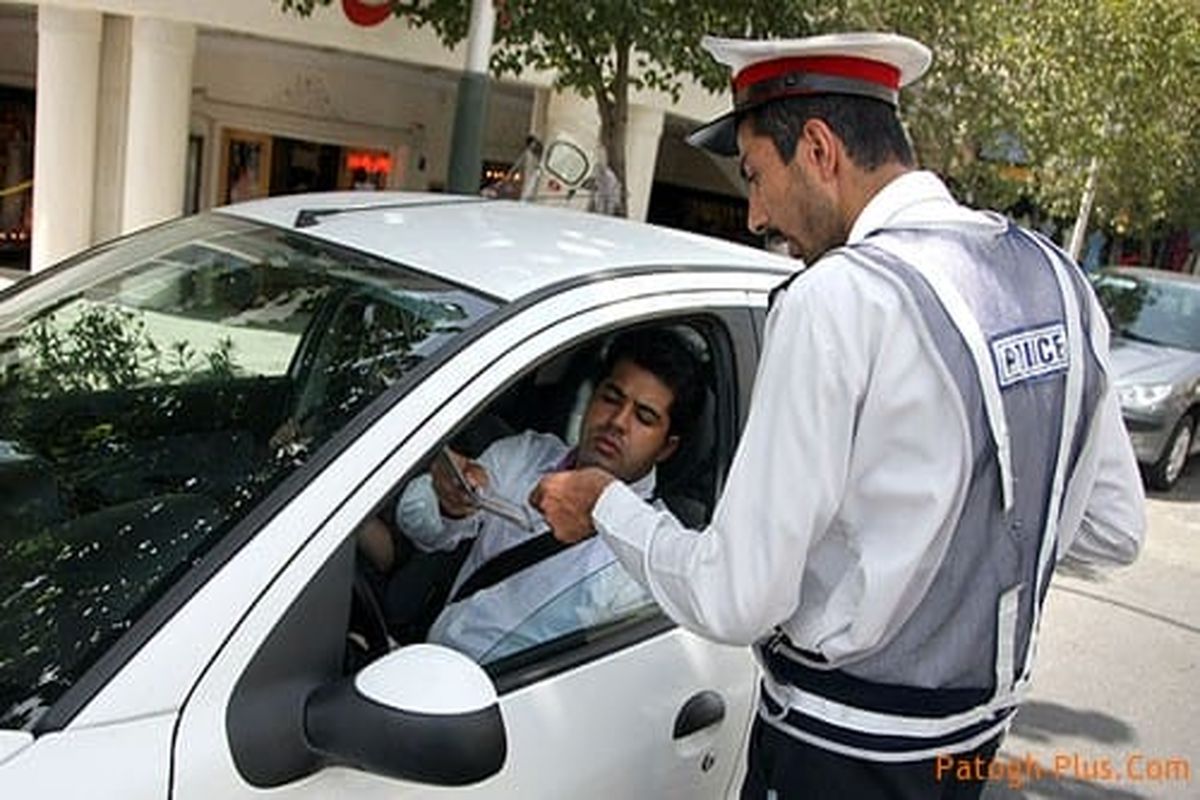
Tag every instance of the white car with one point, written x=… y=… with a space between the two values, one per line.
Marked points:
x=196 y=419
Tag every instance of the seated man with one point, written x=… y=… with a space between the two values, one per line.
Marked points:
x=649 y=390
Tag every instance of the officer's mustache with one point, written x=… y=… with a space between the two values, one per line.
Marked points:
x=776 y=242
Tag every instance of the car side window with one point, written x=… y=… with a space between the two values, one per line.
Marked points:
x=512 y=598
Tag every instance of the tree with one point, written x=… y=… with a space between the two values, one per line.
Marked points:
x=1061 y=82
x=1113 y=80
x=606 y=48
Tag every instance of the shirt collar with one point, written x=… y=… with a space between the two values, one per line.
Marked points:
x=911 y=197
x=643 y=487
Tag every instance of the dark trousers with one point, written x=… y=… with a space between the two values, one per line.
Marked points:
x=796 y=770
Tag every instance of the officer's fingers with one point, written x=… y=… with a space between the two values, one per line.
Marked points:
x=548 y=494
x=551 y=498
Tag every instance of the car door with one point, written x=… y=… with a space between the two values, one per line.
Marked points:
x=655 y=712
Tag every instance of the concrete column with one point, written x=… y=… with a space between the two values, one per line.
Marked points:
x=470 y=115
x=112 y=124
x=642 y=135
x=160 y=95
x=64 y=150
x=565 y=112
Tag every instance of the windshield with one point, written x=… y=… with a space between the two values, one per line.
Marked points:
x=152 y=393
x=1162 y=312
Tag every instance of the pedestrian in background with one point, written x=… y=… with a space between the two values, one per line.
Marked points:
x=932 y=428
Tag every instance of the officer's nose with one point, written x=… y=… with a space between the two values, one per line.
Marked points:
x=756 y=217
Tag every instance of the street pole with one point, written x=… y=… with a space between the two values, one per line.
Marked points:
x=470 y=115
x=1085 y=210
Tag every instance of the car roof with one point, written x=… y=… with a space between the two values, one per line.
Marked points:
x=1146 y=273
x=504 y=248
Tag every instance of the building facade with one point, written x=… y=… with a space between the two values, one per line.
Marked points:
x=117 y=114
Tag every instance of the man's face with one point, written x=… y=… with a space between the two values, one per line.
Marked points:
x=787 y=197
x=626 y=424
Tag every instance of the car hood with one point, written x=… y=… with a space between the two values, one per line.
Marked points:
x=1141 y=363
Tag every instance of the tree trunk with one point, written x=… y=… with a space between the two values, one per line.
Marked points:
x=614 y=122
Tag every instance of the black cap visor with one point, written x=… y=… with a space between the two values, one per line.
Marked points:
x=718 y=136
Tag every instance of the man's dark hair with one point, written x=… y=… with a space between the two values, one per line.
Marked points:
x=869 y=128
x=666 y=355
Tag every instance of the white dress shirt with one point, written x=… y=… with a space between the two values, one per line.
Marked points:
x=848 y=468
x=579 y=587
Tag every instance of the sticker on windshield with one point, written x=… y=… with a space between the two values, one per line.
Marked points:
x=1030 y=354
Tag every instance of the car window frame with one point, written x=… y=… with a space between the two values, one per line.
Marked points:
x=732 y=342
x=557 y=319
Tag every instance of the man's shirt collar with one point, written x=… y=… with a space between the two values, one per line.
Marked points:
x=913 y=196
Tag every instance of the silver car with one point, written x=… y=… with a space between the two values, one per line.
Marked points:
x=1155 y=319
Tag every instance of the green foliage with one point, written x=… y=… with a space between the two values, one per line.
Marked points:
x=105 y=347
x=1069 y=80
x=1115 y=80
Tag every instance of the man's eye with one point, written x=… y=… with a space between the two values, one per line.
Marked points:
x=647 y=418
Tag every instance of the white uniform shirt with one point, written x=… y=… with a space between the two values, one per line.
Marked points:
x=576 y=588
x=849 y=469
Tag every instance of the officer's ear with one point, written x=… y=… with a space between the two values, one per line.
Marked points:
x=818 y=147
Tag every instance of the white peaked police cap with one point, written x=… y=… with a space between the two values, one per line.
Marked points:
x=872 y=65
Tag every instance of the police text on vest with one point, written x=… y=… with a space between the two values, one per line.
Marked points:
x=1030 y=354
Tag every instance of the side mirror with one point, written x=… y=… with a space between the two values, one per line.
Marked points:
x=421 y=713
x=567 y=162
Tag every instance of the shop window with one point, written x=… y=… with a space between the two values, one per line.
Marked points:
x=16 y=176
x=301 y=166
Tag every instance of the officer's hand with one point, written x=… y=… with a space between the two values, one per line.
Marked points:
x=454 y=501
x=566 y=500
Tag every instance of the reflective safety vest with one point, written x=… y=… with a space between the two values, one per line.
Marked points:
x=1008 y=315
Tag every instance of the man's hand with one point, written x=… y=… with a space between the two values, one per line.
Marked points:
x=287 y=434
x=454 y=501
x=566 y=500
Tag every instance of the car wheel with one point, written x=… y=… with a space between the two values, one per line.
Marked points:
x=1169 y=467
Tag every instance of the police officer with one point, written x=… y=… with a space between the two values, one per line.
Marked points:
x=932 y=428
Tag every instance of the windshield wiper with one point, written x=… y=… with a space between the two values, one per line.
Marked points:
x=1137 y=337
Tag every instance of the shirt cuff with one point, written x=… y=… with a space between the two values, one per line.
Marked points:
x=627 y=523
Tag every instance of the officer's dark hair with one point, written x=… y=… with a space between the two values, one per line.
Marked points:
x=869 y=128
x=666 y=355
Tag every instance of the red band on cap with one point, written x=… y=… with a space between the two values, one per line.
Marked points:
x=863 y=69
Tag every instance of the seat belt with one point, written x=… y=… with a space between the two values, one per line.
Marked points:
x=509 y=562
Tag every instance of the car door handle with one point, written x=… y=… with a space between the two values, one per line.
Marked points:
x=701 y=711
